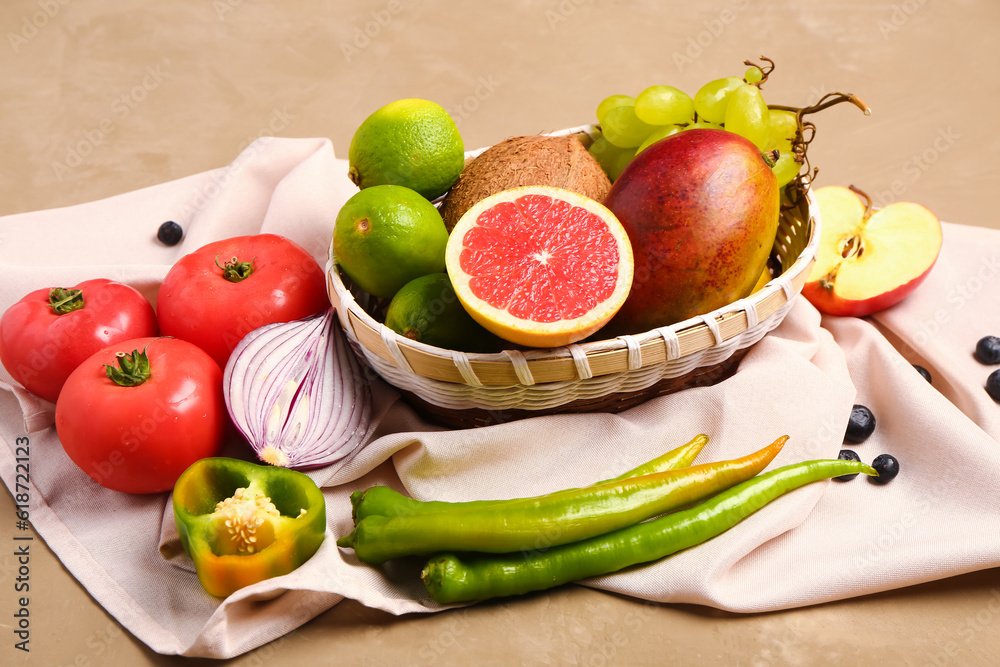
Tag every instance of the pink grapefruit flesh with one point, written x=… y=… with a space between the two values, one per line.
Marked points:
x=540 y=266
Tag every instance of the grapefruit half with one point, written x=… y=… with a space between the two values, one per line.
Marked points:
x=540 y=266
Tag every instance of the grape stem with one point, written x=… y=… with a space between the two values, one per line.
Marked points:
x=802 y=141
x=764 y=70
x=827 y=101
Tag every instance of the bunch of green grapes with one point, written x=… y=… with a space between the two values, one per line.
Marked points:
x=629 y=125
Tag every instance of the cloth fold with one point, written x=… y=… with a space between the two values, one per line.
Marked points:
x=827 y=541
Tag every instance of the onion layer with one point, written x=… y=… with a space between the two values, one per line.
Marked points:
x=297 y=393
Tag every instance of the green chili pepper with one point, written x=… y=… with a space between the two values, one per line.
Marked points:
x=675 y=459
x=552 y=519
x=463 y=578
x=383 y=501
x=242 y=523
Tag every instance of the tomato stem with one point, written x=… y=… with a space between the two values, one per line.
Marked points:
x=65 y=300
x=234 y=270
x=133 y=369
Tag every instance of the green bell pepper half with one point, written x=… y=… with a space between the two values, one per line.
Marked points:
x=241 y=522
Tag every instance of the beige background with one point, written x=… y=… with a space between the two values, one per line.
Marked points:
x=102 y=97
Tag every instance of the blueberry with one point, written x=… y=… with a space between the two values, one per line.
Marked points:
x=170 y=233
x=860 y=426
x=887 y=468
x=848 y=455
x=993 y=385
x=988 y=350
x=924 y=373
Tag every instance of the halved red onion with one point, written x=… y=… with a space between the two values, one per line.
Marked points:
x=297 y=393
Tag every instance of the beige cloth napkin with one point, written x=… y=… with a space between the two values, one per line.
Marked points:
x=828 y=541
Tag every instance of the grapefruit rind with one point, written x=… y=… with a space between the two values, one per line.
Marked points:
x=527 y=332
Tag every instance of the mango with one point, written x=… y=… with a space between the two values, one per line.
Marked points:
x=701 y=211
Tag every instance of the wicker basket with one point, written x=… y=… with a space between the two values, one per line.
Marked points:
x=461 y=389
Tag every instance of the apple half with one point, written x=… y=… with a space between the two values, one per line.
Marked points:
x=868 y=259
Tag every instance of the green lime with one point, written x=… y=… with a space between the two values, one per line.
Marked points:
x=387 y=235
x=427 y=310
x=408 y=142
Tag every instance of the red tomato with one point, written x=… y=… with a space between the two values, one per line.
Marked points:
x=139 y=439
x=221 y=292
x=40 y=347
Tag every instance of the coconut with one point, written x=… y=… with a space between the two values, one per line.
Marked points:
x=561 y=162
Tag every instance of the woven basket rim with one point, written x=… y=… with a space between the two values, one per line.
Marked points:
x=583 y=360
